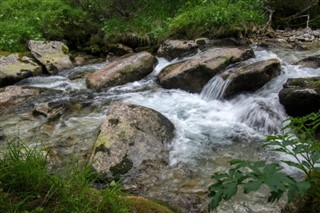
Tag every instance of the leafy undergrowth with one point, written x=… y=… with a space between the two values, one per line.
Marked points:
x=300 y=141
x=26 y=185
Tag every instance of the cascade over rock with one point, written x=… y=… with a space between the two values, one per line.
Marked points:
x=130 y=136
x=52 y=54
x=193 y=74
x=301 y=96
x=127 y=69
x=250 y=77
x=16 y=67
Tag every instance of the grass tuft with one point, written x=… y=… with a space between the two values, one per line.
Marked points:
x=26 y=185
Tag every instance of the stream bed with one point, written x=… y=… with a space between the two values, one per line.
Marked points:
x=209 y=131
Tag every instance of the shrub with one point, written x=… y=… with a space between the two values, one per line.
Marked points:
x=301 y=143
x=21 y=21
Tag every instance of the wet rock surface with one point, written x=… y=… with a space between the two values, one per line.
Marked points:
x=191 y=75
x=128 y=69
x=250 y=77
x=301 y=96
x=14 y=95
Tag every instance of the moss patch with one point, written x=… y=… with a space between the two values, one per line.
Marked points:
x=127 y=70
x=65 y=50
x=3 y=53
x=316 y=84
x=102 y=140
x=143 y=205
x=123 y=167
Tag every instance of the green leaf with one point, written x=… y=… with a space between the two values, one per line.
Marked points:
x=215 y=200
x=315 y=157
x=230 y=190
x=303 y=187
x=252 y=186
x=292 y=192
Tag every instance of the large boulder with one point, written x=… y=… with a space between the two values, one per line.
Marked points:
x=122 y=71
x=130 y=136
x=193 y=74
x=301 y=96
x=54 y=55
x=16 y=67
x=250 y=77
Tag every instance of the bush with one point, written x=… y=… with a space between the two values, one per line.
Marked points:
x=300 y=141
x=21 y=21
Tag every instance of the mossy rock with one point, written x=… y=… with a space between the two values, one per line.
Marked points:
x=143 y=205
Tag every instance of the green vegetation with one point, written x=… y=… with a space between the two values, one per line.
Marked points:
x=27 y=185
x=21 y=21
x=84 y=24
x=300 y=142
x=219 y=18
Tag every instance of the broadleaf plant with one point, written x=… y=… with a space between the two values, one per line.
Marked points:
x=299 y=141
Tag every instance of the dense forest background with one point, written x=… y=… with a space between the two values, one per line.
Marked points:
x=81 y=23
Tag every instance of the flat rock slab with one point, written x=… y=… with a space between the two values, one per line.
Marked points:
x=54 y=55
x=124 y=70
x=16 y=67
x=193 y=74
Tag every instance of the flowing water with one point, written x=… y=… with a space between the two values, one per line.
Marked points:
x=209 y=131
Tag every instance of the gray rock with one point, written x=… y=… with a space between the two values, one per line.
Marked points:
x=122 y=71
x=130 y=135
x=54 y=55
x=311 y=62
x=119 y=49
x=171 y=49
x=193 y=74
x=250 y=77
x=14 y=95
x=301 y=96
x=16 y=67
x=49 y=110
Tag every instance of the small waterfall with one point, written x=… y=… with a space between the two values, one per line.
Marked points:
x=260 y=116
x=215 y=88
